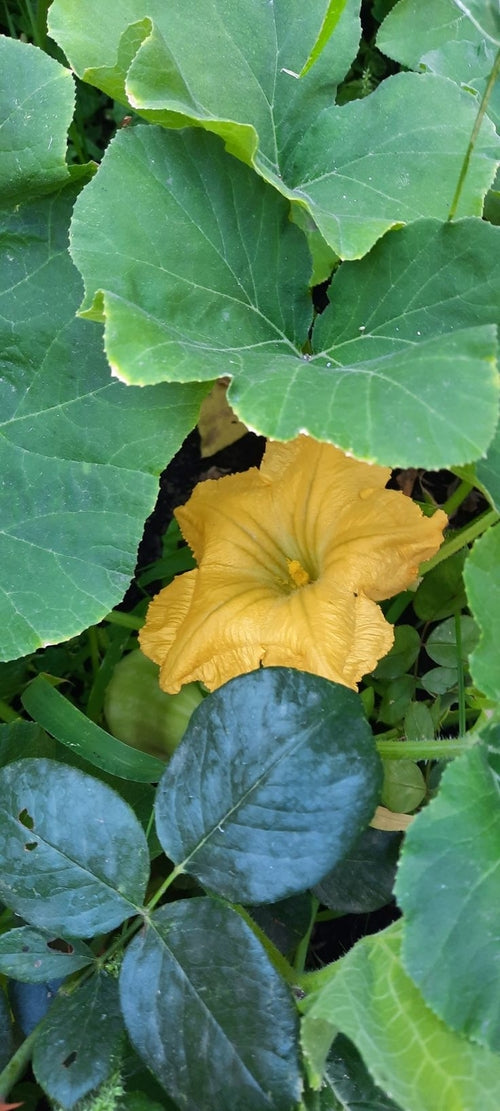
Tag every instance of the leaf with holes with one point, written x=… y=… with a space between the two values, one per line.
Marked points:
x=75 y=859
x=208 y=1013
x=34 y=956
x=77 y=1044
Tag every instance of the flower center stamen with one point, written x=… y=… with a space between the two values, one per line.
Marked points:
x=297 y=573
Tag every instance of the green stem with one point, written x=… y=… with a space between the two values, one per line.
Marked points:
x=462 y=724
x=461 y=538
x=475 y=132
x=17 y=1065
x=457 y=497
x=302 y=950
x=127 y=620
x=426 y=750
x=7 y=713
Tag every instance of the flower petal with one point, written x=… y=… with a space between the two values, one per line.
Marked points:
x=292 y=559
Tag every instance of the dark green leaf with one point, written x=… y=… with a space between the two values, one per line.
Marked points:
x=6 y=1032
x=21 y=739
x=208 y=1013
x=285 y=922
x=404 y=786
x=281 y=773
x=448 y=886
x=78 y=1041
x=439 y=680
x=396 y=699
x=351 y=1081
x=34 y=956
x=75 y=859
x=441 y=644
x=441 y=592
x=364 y=879
x=402 y=654
x=67 y=723
x=418 y=724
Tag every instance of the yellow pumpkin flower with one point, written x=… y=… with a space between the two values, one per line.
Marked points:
x=292 y=559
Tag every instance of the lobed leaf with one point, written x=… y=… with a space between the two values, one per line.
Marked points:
x=208 y=1013
x=407 y=330
x=438 y=35
x=153 y=56
x=77 y=1043
x=410 y=1053
x=281 y=772
x=79 y=454
x=447 y=885
x=37 y=99
x=75 y=859
x=351 y=172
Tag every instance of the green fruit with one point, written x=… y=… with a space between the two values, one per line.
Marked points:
x=142 y=715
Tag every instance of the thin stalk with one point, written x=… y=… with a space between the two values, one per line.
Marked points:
x=41 y=23
x=7 y=713
x=475 y=132
x=426 y=750
x=462 y=725
x=127 y=620
x=17 y=1065
x=304 y=943
x=461 y=538
x=457 y=497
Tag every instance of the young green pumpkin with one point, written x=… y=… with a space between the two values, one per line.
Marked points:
x=139 y=713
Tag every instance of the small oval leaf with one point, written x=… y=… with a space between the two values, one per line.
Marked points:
x=35 y=957
x=75 y=859
x=281 y=773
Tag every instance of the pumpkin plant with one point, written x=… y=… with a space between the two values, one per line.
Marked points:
x=299 y=207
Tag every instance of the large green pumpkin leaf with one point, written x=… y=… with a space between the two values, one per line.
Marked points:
x=75 y=858
x=79 y=454
x=208 y=1013
x=448 y=887
x=281 y=773
x=77 y=1044
x=411 y=1054
x=153 y=55
x=482 y=583
x=409 y=327
x=488 y=471
x=436 y=35
x=353 y=172
x=37 y=98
